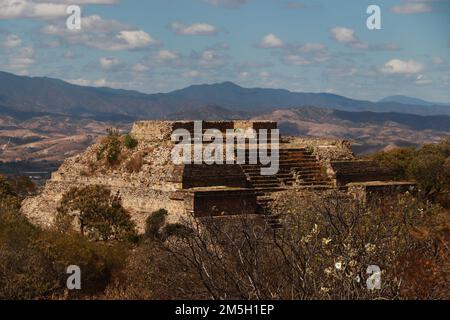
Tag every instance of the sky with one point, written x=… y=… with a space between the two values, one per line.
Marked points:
x=163 y=45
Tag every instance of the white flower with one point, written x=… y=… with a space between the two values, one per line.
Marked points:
x=324 y=289
x=338 y=265
x=370 y=247
x=326 y=241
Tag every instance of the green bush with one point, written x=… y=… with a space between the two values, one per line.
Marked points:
x=130 y=142
x=429 y=166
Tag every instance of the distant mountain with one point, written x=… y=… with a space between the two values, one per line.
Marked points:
x=411 y=101
x=209 y=113
x=47 y=95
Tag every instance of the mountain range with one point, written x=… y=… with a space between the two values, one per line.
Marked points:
x=22 y=94
x=411 y=101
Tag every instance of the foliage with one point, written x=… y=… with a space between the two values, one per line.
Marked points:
x=429 y=166
x=113 y=150
x=130 y=142
x=96 y=214
x=111 y=145
x=33 y=262
x=323 y=252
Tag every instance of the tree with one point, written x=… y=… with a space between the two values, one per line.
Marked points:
x=97 y=214
x=428 y=166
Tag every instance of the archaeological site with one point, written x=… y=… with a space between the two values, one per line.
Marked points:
x=146 y=179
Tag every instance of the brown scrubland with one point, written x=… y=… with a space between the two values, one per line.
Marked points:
x=327 y=242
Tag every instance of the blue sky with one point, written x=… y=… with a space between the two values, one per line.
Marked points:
x=162 y=45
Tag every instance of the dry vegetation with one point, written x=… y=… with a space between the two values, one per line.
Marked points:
x=327 y=242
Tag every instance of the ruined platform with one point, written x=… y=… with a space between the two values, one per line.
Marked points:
x=201 y=189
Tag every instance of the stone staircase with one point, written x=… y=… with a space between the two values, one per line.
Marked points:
x=297 y=168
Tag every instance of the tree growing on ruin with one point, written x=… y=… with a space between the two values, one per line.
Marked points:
x=97 y=214
x=130 y=142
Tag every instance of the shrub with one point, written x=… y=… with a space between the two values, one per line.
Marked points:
x=112 y=146
x=130 y=142
x=429 y=166
x=176 y=230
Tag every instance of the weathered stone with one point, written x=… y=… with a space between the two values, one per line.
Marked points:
x=216 y=190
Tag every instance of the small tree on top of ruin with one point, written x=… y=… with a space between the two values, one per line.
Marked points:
x=97 y=214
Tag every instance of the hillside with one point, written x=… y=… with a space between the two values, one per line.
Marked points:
x=368 y=131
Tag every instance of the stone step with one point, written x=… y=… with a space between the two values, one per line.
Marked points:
x=264 y=191
x=265 y=201
x=265 y=184
x=313 y=182
x=283 y=167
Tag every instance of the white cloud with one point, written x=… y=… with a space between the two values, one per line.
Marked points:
x=41 y=9
x=165 y=55
x=103 y=34
x=102 y=82
x=22 y=60
x=79 y=81
x=196 y=29
x=12 y=41
x=271 y=41
x=109 y=63
x=244 y=75
x=210 y=59
x=397 y=66
x=296 y=60
x=140 y=67
x=305 y=54
x=134 y=39
x=422 y=80
x=347 y=36
x=411 y=8
x=193 y=74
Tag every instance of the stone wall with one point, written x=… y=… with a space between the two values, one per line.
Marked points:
x=224 y=202
x=203 y=175
x=370 y=191
x=344 y=172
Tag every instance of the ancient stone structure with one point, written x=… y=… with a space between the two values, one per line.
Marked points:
x=202 y=189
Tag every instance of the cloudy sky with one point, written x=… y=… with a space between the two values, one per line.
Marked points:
x=162 y=45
